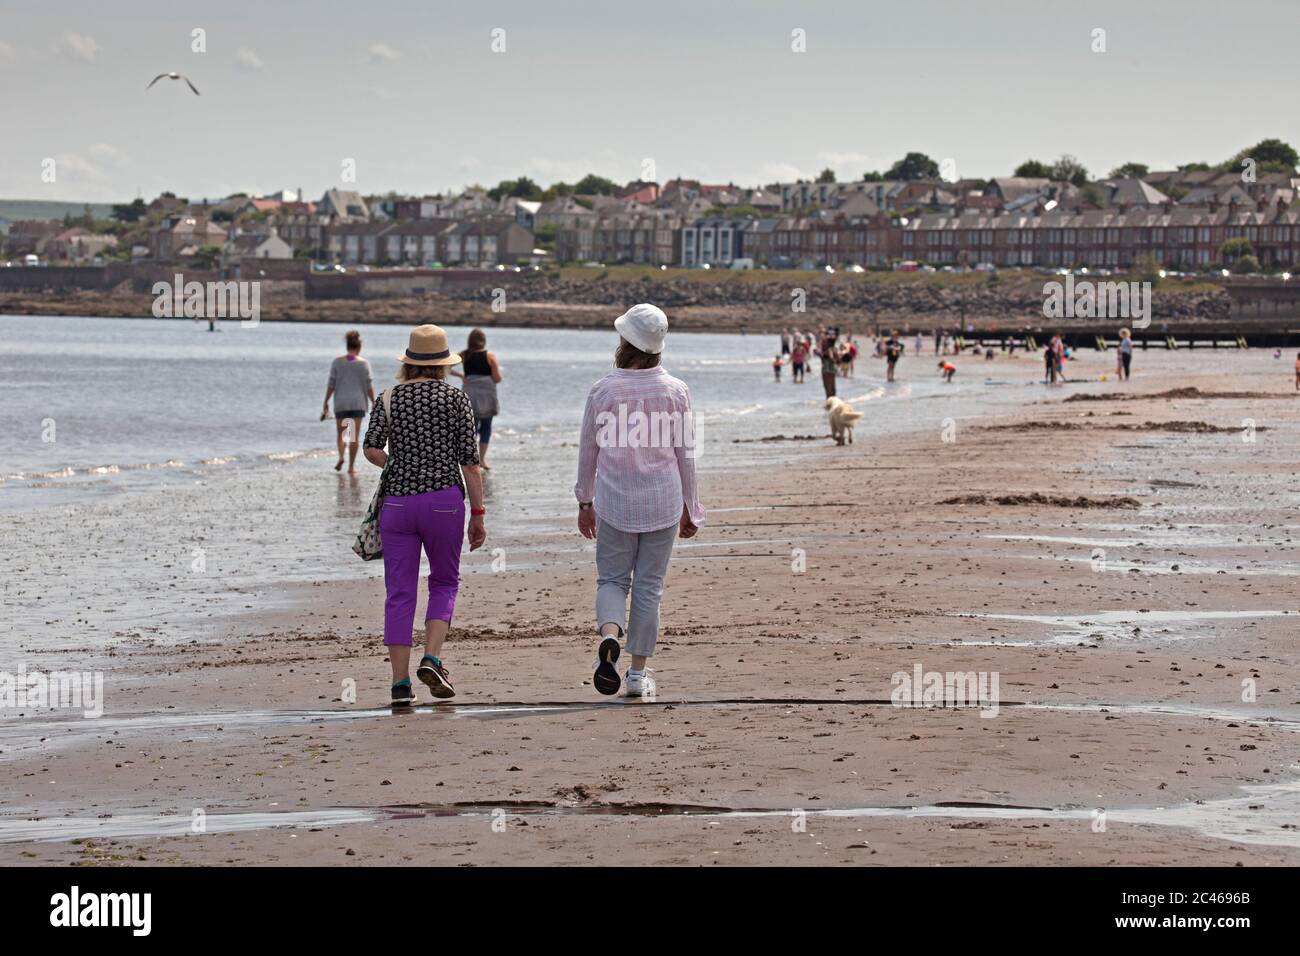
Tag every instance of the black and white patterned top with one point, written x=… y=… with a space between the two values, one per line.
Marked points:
x=431 y=436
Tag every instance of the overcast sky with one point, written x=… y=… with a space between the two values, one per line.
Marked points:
x=413 y=92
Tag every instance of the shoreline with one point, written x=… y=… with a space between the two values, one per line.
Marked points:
x=719 y=320
x=714 y=301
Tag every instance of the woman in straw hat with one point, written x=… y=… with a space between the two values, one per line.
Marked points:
x=636 y=492
x=428 y=427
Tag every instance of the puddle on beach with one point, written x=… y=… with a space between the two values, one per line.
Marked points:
x=1118 y=564
x=23 y=735
x=1059 y=539
x=1164 y=538
x=1226 y=715
x=1265 y=816
x=153 y=825
x=1118 y=625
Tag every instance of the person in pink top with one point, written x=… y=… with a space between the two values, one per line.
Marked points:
x=636 y=492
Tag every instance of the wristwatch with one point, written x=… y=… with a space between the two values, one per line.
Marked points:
x=584 y=505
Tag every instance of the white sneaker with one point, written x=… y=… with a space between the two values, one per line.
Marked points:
x=643 y=686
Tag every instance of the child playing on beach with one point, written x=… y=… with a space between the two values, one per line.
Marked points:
x=847 y=352
x=777 y=362
x=948 y=370
x=797 y=360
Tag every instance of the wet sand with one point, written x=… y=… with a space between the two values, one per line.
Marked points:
x=1128 y=586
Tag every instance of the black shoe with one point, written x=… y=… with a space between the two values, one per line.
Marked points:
x=403 y=696
x=434 y=676
x=606 y=677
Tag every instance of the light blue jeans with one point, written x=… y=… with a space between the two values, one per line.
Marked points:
x=637 y=563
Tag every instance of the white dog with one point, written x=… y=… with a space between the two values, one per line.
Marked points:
x=842 y=416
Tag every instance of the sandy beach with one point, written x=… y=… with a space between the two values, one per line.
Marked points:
x=1128 y=568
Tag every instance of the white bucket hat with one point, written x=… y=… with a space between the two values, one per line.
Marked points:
x=645 y=326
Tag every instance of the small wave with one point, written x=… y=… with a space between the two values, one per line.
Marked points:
x=68 y=471
x=737 y=361
x=295 y=455
x=735 y=412
x=37 y=475
x=142 y=466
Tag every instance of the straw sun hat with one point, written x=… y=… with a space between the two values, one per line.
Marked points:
x=428 y=346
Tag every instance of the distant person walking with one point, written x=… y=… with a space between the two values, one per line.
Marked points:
x=786 y=342
x=893 y=349
x=482 y=375
x=848 y=354
x=798 y=362
x=1058 y=355
x=636 y=493
x=352 y=389
x=1049 y=361
x=826 y=354
x=428 y=426
x=1125 y=353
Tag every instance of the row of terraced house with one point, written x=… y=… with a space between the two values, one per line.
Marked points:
x=1174 y=237
x=1006 y=222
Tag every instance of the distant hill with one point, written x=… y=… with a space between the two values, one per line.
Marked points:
x=12 y=210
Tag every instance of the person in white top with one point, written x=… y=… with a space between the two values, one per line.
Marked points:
x=636 y=492
x=1124 y=355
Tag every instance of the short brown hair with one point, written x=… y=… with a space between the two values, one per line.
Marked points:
x=477 y=340
x=353 y=338
x=411 y=372
x=629 y=356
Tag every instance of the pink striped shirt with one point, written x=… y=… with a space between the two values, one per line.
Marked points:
x=637 y=451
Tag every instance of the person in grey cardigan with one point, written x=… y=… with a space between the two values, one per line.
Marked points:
x=482 y=375
x=353 y=391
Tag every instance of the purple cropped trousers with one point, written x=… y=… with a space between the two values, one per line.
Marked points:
x=434 y=521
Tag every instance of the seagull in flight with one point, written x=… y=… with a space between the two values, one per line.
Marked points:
x=172 y=76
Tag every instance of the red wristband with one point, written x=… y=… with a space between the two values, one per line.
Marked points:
x=475 y=512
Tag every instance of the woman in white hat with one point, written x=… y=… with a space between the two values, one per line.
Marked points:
x=636 y=492
x=428 y=427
